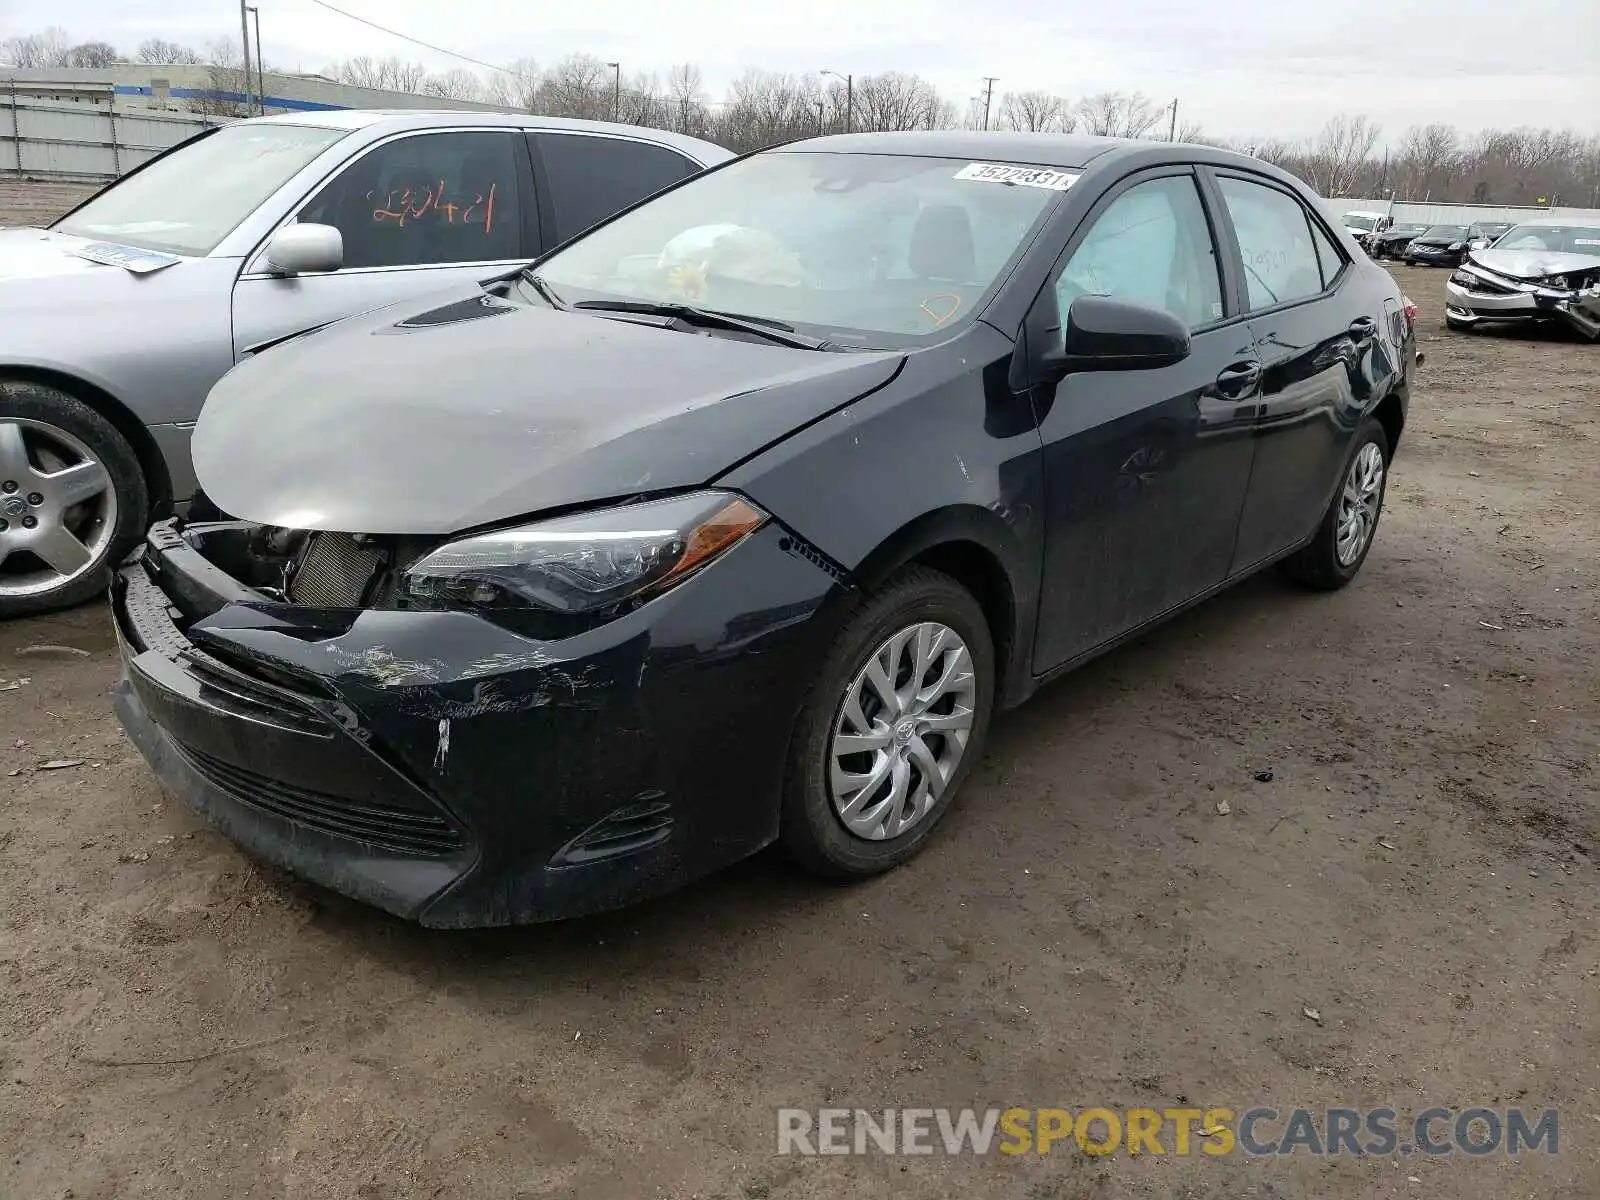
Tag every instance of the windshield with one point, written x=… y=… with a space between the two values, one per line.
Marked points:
x=1453 y=233
x=866 y=250
x=1358 y=222
x=1572 y=239
x=1408 y=229
x=188 y=201
x=1494 y=228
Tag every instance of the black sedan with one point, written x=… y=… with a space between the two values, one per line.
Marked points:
x=1391 y=243
x=1438 y=246
x=736 y=519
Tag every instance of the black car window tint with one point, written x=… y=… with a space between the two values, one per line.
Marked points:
x=591 y=177
x=1328 y=256
x=1150 y=246
x=425 y=200
x=1280 y=261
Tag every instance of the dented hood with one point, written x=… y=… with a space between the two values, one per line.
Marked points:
x=1533 y=264
x=436 y=416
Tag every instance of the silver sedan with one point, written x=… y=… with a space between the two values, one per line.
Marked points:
x=116 y=320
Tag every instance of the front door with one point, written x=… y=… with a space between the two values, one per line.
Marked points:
x=418 y=213
x=1145 y=470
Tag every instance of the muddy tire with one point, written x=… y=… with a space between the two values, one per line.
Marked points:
x=1335 y=554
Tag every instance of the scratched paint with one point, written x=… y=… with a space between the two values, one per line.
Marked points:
x=442 y=752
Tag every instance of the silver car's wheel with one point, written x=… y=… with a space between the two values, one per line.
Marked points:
x=1358 y=503
x=901 y=731
x=58 y=508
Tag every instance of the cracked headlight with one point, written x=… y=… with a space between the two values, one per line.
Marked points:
x=1462 y=277
x=584 y=563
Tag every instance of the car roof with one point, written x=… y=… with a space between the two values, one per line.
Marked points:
x=1551 y=222
x=1364 y=212
x=400 y=120
x=1066 y=150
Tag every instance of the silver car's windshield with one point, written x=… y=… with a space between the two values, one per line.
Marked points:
x=862 y=249
x=1574 y=239
x=188 y=201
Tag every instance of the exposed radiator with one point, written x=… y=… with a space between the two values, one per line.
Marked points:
x=334 y=571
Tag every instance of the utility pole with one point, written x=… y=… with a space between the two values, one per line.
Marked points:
x=261 y=71
x=616 y=91
x=849 y=98
x=244 y=38
x=988 y=95
x=1172 y=129
x=818 y=103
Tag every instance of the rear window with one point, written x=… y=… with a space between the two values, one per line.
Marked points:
x=590 y=177
x=1454 y=232
x=189 y=200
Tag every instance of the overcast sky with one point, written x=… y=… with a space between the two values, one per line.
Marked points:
x=1239 y=67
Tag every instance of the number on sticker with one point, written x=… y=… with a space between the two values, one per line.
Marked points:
x=1039 y=177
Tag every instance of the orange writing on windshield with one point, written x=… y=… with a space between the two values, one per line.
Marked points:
x=412 y=204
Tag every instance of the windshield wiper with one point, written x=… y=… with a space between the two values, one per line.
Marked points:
x=764 y=327
x=546 y=292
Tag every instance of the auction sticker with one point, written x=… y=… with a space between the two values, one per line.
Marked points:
x=1039 y=177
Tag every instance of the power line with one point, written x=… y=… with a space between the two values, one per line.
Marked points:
x=406 y=37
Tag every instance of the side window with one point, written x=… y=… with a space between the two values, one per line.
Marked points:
x=589 y=177
x=428 y=199
x=1327 y=254
x=1280 y=262
x=1151 y=246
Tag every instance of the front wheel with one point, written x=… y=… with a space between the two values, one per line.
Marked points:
x=892 y=726
x=1340 y=546
x=72 y=499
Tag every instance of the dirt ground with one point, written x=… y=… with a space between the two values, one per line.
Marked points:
x=1088 y=929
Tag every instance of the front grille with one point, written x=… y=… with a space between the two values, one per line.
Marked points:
x=402 y=831
x=335 y=571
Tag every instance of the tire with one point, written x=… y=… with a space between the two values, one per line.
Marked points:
x=812 y=827
x=1319 y=564
x=90 y=490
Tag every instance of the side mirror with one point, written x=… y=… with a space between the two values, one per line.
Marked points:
x=305 y=249
x=1481 y=243
x=1103 y=334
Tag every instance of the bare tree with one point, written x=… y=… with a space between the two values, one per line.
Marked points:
x=1036 y=112
x=385 y=74
x=1114 y=114
x=765 y=108
x=686 y=94
x=37 y=51
x=515 y=86
x=1339 y=152
x=895 y=100
x=458 y=83
x=580 y=85
x=159 y=52
x=93 y=55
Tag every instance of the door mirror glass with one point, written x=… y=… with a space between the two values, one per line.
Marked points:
x=1115 y=335
x=305 y=248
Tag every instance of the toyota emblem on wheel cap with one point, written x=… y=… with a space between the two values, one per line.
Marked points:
x=14 y=506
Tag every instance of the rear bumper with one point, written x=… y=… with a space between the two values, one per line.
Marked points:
x=446 y=770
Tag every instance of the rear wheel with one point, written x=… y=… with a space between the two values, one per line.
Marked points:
x=894 y=722
x=1340 y=546
x=72 y=499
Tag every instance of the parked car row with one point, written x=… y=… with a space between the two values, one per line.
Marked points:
x=531 y=604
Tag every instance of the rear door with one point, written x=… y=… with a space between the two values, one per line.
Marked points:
x=586 y=177
x=1315 y=342
x=417 y=212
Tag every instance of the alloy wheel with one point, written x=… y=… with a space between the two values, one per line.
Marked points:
x=901 y=730
x=1358 y=504
x=58 y=510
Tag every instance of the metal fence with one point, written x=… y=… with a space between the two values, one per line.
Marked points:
x=1458 y=214
x=86 y=139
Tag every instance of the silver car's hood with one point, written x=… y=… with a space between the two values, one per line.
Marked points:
x=41 y=254
x=1533 y=264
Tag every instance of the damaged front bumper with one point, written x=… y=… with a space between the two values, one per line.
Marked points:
x=1474 y=294
x=453 y=772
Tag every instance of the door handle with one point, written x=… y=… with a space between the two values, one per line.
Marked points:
x=1238 y=380
x=1363 y=328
